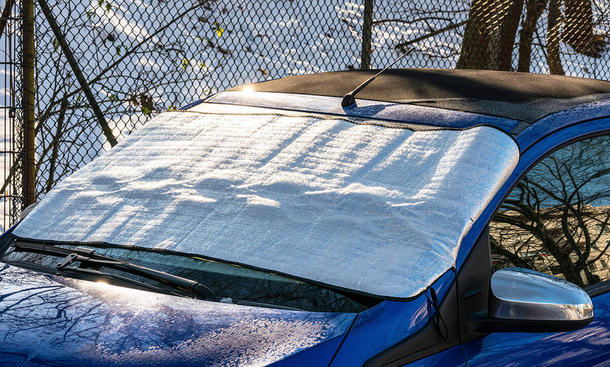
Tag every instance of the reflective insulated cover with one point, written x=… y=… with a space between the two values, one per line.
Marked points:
x=342 y=201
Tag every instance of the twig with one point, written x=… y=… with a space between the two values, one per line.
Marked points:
x=134 y=48
x=431 y=34
x=77 y=72
x=409 y=21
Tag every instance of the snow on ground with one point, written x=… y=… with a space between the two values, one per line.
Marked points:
x=233 y=42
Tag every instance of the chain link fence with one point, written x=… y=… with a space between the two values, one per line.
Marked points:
x=140 y=57
x=10 y=111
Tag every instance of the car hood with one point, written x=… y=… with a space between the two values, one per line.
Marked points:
x=55 y=321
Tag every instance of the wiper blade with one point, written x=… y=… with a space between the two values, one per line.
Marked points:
x=139 y=284
x=88 y=256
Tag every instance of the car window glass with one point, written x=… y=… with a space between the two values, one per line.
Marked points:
x=557 y=219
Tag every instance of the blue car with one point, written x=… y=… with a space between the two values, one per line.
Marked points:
x=427 y=218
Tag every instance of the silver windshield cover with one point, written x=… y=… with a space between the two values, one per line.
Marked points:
x=336 y=200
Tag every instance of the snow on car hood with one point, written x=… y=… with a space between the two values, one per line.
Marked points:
x=55 y=321
x=342 y=201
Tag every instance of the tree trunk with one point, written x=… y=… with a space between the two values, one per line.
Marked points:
x=490 y=34
x=55 y=143
x=508 y=31
x=553 y=37
x=475 y=51
x=534 y=10
x=367 y=32
x=578 y=30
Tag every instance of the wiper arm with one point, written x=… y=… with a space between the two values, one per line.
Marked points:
x=88 y=256
x=97 y=273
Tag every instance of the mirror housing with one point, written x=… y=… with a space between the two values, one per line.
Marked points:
x=526 y=300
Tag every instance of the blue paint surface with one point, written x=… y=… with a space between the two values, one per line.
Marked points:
x=589 y=346
x=388 y=323
x=450 y=357
x=559 y=120
x=51 y=320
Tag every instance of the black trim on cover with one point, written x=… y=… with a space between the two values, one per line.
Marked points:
x=474 y=284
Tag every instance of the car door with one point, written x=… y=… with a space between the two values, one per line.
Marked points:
x=556 y=220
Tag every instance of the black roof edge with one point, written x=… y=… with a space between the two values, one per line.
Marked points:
x=519 y=96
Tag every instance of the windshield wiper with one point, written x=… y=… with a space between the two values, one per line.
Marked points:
x=88 y=256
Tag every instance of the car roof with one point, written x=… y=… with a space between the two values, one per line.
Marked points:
x=518 y=96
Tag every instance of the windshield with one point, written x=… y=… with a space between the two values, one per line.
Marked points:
x=229 y=283
x=354 y=204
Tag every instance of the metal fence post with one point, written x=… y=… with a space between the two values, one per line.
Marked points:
x=367 y=31
x=61 y=39
x=28 y=78
x=6 y=13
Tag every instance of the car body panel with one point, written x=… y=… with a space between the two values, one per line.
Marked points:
x=559 y=120
x=388 y=323
x=589 y=346
x=52 y=320
x=453 y=356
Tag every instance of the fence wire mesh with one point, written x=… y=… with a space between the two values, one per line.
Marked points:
x=10 y=112
x=140 y=57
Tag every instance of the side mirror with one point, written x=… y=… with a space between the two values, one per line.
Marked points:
x=526 y=300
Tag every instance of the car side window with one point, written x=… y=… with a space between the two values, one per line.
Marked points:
x=557 y=219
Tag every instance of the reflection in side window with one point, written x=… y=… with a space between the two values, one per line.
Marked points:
x=557 y=219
